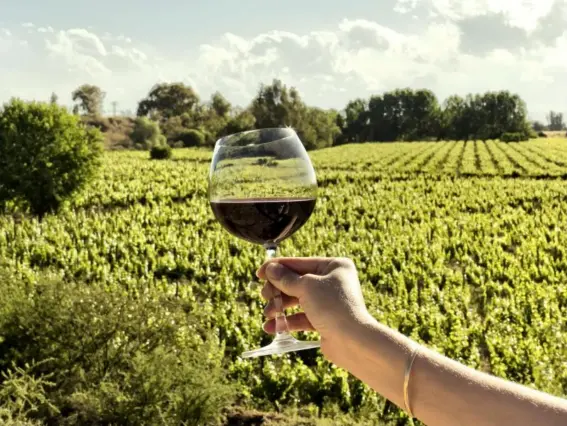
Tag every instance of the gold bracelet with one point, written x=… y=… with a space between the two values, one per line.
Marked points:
x=407 y=375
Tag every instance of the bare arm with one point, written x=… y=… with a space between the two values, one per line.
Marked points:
x=442 y=392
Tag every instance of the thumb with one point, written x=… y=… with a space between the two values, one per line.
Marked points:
x=284 y=279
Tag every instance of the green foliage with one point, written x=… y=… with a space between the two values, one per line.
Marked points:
x=220 y=105
x=146 y=133
x=538 y=126
x=416 y=115
x=452 y=249
x=555 y=121
x=160 y=152
x=398 y=115
x=276 y=105
x=167 y=100
x=241 y=122
x=191 y=138
x=513 y=137
x=46 y=155
x=105 y=358
x=88 y=100
x=23 y=396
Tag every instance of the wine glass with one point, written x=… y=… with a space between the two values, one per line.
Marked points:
x=262 y=188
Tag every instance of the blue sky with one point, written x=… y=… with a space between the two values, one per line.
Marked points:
x=332 y=50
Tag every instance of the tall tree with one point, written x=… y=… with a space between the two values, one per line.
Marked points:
x=276 y=105
x=555 y=120
x=220 y=105
x=355 y=120
x=167 y=100
x=88 y=99
x=538 y=126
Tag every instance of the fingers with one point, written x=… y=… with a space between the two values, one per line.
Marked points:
x=287 y=302
x=301 y=265
x=268 y=291
x=283 y=279
x=295 y=322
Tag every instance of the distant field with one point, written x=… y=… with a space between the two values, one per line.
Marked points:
x=541 y=157
x=462 y=246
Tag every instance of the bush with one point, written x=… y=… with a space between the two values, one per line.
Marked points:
x=513 y=137
x=146 y=133
x=531 y=134
x=191 y=138
x=160 y=152
x=46 y=155
x=542 y=134
x=75 y=354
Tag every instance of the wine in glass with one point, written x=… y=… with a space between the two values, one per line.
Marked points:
x=262 y=188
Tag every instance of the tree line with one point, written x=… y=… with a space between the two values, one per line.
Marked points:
x=184 y=119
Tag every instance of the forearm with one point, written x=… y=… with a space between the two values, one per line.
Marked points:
x=442 y=392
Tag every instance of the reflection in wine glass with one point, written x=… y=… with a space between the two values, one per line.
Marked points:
x=262 y=188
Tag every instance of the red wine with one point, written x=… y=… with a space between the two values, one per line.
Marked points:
x=263 y=221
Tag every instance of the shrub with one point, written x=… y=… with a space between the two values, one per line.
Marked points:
x=513 y=137
x=191 y=138
x=46 y=155
x=160 y=152
x=542 y=134
x=77 y=354
x=116 y=130
x=146 y=133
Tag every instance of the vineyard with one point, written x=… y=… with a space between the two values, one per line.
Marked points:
x=460 y=245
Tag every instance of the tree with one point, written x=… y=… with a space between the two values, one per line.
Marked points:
x=191 y=138
x=355 y=120
x=276 y=105
x=89 y=100
x=167 y=100
x=242 y=121
x=53 y=98
x=46 y=155
x=146 y=133
x=220 y=105
x=538 y=126
x=555 y=120
x=484 y=117
x=318 y=129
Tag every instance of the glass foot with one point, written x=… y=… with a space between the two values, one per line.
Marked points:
x=282 y=344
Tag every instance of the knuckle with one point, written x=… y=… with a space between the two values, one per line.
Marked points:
x=266 y=291
x=343 y=262
x=310 y=277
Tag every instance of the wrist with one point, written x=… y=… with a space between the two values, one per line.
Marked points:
x=375 y=354
x=346 y=344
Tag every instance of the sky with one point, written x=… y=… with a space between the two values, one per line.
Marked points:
x=332 y=51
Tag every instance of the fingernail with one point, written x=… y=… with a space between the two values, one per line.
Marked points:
x=275 y=271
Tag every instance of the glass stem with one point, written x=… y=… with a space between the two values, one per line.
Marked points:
x=282 y=329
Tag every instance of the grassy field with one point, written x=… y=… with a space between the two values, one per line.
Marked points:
x=462 y=246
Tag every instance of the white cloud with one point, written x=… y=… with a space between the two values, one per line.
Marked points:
x=524 y=14
x=355 y=58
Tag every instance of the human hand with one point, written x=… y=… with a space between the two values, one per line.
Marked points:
x=328 y=291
